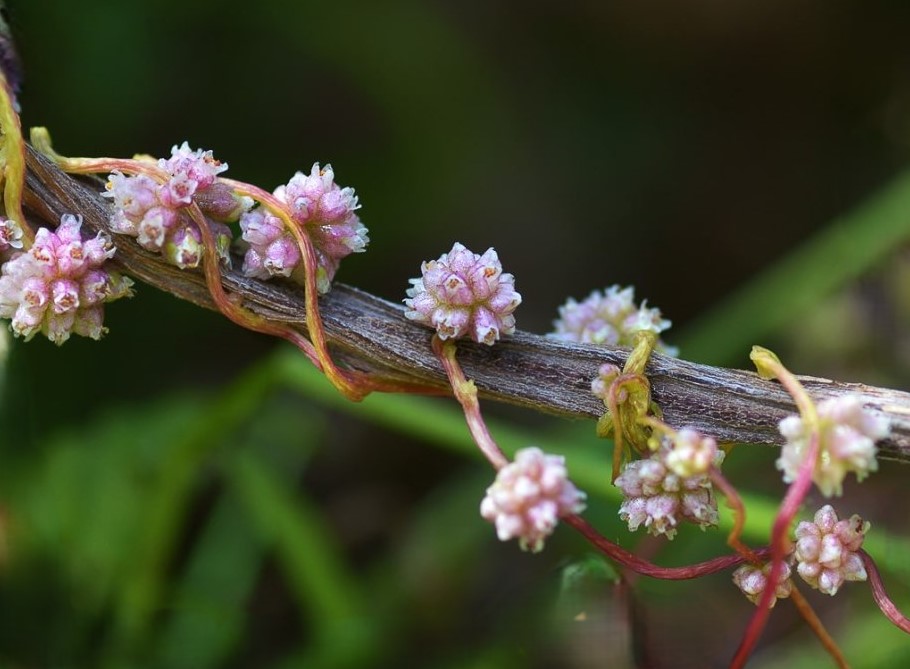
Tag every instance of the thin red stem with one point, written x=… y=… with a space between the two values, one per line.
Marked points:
x=739 y=515
x=780 y=546
x=466 y=394
x=808 y=613
x=888 y=607
x=641 y=566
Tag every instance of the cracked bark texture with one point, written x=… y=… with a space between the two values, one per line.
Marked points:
x=371 y=334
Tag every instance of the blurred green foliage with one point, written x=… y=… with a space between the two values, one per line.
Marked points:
x=184 y=494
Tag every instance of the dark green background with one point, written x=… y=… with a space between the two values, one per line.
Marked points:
x=679 y=147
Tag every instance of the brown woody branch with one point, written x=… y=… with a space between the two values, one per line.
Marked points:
x=371 y=334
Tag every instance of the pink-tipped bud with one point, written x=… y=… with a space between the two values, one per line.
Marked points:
x=691 y=453
x=220 y=203
x=606 y=375
x=184 y=246
x=753 y=580
x=132 y=195
x=10 y=235
x=198 y=166
x=315 y=198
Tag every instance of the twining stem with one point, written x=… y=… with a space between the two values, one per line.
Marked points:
x=212 y=272
x=466 y=393
x=229 y=307
x=641 y=566
x=815 y=623
x=12 y=160
x=618 y=442
x=353 y=386
x=769 y=366
x=780 y=546
x=888 y=607
x=739 y=515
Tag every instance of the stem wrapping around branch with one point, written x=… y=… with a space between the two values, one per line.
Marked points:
x=371 y=335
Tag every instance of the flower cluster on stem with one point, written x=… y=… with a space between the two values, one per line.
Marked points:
x=328 y=214
x=156 y=213
x=827 y=550
x=59 y=286
x=464 y=294
x=847 y=434
x=610 y=317
x=529 y=497
x=659 y=499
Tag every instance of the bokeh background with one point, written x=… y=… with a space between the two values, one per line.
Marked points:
x=186 y=494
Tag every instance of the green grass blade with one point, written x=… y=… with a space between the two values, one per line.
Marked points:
x=848 y=247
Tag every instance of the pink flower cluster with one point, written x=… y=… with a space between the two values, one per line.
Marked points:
x=155 y=214
x=691 y=453
x=59 y=286
x=608 y=317
x=753 y=580
x=328 y=214
x=10 y=235
x=827 y=550
x=529 y=496
x=463 y=293
x=659 y=499
x=848 y=433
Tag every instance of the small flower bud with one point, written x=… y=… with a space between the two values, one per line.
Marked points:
x=184 y=246
x=606 y=375
x=316 y=198
x=691 y=453
x=529 y=496
x=178 y=191
x=753 y=580
x=220 y=203
x=197 y=166
x=10 y=235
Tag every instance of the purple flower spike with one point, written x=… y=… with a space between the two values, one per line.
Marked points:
x=529 y=497
x=463 y=293
x=59 y=286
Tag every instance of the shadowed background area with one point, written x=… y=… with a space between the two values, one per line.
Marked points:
x=174 y=496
